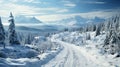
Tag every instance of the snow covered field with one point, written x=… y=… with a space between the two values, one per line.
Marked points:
x=29 y=55
x=73 y=50
x=87 y=53
x=73 y=56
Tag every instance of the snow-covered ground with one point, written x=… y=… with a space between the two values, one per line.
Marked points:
x=29 y=62
x=72 y=50
x=74 y=56
x=87 y=53
x=29 y=55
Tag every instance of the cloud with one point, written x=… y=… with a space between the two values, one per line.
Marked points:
x=104 y=14
x=68 y=3
x=27 y=1
x=94 y=2
x=1 y=1
x=52 y=11
x=62 y=11
x=29 y=9
x=19 y=9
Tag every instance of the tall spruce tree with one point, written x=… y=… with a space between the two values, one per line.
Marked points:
x=112 y=41
x=98 y=30
x=12 y=35
x=2 y=34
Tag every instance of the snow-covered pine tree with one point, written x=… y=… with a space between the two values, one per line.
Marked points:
x=88 y=37
x=93 y=27
x=29 y=39
x=86 y=28
x=102 y=27
x=2 y=34
x=12 y=35
x=98 y=30
x=116 y=21
x=21 y=37
x=107 y=25
x=112 y=41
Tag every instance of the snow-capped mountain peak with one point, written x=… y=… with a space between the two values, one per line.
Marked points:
x=23 y=19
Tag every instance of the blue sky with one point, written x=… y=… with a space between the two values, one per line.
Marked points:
x=54 y=10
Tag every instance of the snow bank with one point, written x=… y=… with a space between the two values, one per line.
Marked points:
x=92 y=48
x=30 y=62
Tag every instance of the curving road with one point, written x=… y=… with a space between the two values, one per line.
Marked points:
x=71 y=56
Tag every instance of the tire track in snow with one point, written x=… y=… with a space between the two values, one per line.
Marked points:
x=71 y=56
x=61 y=64
x=59 y=60
x=65 y=59
x=69 y=61
x=76 y=60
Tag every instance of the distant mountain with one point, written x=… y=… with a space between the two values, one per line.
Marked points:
x=79 y=21
x=96 y=20
x=22 y=19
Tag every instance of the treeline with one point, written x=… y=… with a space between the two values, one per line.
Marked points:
x=111 y=27
x=11 y=37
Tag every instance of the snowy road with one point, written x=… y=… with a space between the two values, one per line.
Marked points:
x=71 y=56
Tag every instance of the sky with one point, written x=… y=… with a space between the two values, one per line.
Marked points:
x=55 y=10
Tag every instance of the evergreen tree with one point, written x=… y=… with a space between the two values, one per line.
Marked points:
x=88 y=37
x=116 y=23
x=98 y=30
x=12 y=35
x=86 y=28
x=29 y=38
x=94 y=27
x=112 y=41
x=2 y=34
